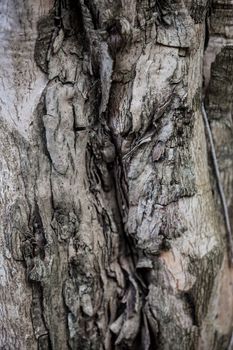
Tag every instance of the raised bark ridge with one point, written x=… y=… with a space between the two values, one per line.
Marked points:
x=116 y=225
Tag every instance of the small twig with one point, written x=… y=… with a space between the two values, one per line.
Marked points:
x=143 y=140
x=220 y=187
x=230 y=346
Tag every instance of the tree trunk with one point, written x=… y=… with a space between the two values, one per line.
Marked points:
x=112 y=231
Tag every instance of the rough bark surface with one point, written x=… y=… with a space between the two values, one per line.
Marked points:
x=111 y=228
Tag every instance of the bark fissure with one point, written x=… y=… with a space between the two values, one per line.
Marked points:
x=109 y=223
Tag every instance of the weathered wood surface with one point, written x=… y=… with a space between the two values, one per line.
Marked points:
x=111 y=229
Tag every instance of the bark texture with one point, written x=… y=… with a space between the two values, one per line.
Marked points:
x=112 y=234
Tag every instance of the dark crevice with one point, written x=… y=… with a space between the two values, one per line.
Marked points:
x=188 y=297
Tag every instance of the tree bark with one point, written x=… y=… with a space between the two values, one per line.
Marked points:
x=112 y=231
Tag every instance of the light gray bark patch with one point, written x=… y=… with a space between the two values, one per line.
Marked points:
x=58 y=123
x=149 y=203
x=207 y=274
x=106 y=69
x=57 y=44
x=179 y=31
x=166 y=309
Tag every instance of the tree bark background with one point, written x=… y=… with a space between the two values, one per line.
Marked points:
x=112 y=234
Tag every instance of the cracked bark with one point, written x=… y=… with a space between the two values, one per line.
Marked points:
x=112 y=232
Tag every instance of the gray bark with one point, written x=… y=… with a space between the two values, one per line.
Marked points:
x=112 y=232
